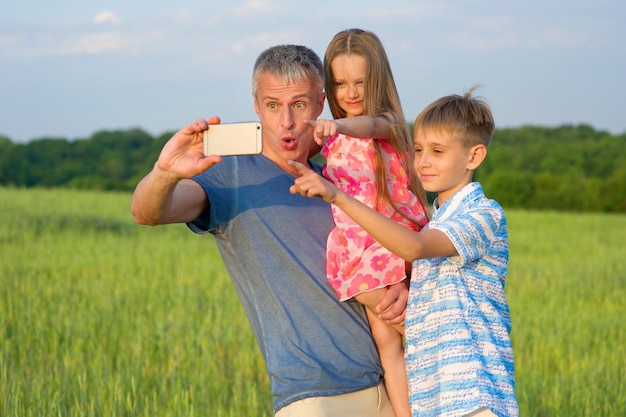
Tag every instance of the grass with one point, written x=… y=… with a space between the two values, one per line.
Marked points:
x=101 y=317
x=567 y=292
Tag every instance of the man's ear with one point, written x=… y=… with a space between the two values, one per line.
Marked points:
x=321 y=104
x=477 y=155
x=256 y=107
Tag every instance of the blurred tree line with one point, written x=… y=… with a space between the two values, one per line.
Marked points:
x=568 y=168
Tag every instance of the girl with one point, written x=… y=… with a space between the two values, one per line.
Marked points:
x=369 y=155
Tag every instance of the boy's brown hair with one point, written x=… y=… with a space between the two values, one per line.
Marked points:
x=467 y=118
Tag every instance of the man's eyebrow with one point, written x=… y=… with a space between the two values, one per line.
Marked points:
x=297 y=97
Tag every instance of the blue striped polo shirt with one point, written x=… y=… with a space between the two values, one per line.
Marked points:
x=459 y=354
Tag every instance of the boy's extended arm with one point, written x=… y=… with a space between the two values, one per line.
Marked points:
x=406 y=243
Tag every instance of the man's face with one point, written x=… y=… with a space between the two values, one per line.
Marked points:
x=283 y=109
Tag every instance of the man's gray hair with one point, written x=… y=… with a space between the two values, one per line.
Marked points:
x=291 y=63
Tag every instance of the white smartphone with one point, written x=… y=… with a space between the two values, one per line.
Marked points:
x=233 y=139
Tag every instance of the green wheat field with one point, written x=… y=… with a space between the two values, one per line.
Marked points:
x=102 y=317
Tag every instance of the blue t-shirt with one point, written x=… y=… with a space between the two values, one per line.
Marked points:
x=458 y=350
x=273 y=244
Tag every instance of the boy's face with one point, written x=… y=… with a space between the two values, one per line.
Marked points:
x=442 y=162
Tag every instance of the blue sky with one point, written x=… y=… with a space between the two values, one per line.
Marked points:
x=73 y=68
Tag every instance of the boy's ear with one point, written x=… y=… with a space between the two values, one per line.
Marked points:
x=477 y=155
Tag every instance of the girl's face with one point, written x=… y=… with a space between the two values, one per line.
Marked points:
x=349 y=72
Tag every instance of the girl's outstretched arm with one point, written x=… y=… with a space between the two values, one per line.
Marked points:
x=364 y=127
x=356 y=127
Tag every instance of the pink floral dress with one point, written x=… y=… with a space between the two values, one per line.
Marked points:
x=356 y=262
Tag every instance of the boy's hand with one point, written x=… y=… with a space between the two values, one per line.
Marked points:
x=310 y=184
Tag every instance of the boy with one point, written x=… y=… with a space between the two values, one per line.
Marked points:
x=459 y=355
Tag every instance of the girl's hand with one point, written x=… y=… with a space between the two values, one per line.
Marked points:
x=310 y=184
x=323 y=129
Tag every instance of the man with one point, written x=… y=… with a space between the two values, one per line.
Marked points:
x=273 y=244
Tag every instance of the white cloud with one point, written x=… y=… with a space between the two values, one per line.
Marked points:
x=88 y=43
x=47 y=45
x=96 y=43
x=11 y=41
x=107 y=16
x=253 y=6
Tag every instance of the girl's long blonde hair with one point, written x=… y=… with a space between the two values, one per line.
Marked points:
x=381 y=100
